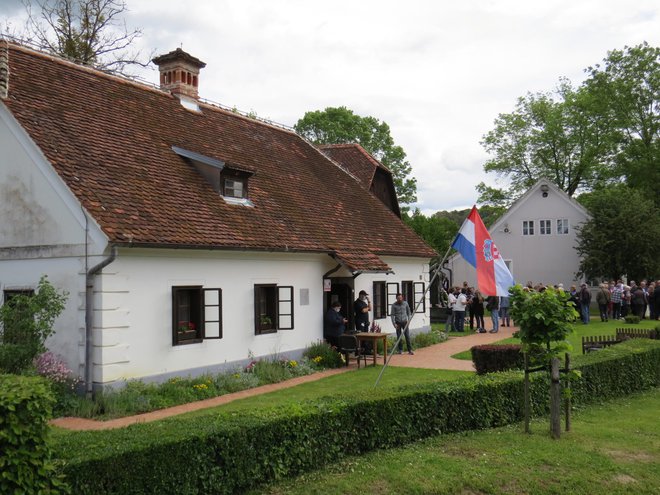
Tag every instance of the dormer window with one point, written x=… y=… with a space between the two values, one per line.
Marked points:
x=230 y=181
x=234 y=188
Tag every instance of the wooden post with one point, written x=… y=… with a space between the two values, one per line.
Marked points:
x=526 y=393
x=555 y=399
x=567 y=382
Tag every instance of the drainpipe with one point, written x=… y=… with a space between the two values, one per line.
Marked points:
x=89 y=317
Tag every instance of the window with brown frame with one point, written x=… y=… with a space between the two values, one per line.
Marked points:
x=273 y=308
x=196 y=314
x=380 y=302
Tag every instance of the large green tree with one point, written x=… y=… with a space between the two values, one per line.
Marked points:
x=438 y=232
x=561 y=136
x=628 y=85
x=622 y=236
x=88 y=32
x=338 y=125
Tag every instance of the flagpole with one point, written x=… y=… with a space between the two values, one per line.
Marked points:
x=428 y=287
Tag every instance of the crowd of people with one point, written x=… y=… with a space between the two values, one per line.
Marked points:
x=615 y=301
x=467 y=304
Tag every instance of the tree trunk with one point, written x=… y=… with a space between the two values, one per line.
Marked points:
x=555 y=400
x=526 y=394
x=567 y=403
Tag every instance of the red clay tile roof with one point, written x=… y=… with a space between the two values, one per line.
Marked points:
x=111 y=142
x=355 y=159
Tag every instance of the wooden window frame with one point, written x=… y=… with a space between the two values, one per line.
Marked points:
x=380 y=300
x=528 y=227
x=408 y=292
x=391 y=295
x=419 y=293
x=236 y=176
x=273 y=305
x=197 y=315
x=564 y=225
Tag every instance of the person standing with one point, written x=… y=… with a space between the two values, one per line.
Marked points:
x=616 y=296
x=585 y=302
x=334 y=324
x=504 y=311
x=603 y=300
x=401 y=314
x=361 y=309
x=477 y=309
x=449 y=326
x=459 y=310
x=493 y=305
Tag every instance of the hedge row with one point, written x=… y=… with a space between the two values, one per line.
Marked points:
x=490 y=358
x=25 y=456
x=228 y=452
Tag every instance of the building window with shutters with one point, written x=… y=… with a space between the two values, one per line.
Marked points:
x=380 y=305
x=196 y=314
x=273 y=308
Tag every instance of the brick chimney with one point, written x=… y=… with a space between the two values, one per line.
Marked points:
x=179 y=72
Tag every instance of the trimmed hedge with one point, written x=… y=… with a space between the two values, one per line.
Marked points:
x=224 y=452
x=25 y=464
x=489 y=358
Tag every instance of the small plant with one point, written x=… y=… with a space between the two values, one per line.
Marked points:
x=428 y=339
x=327 y=355
x=375 y=327
x=631 y=319
x=185 y=326
x=63 y=381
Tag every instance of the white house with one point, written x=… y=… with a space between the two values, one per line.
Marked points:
x=188 y=237
x=536 y=237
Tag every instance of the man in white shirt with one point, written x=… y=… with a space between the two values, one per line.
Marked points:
x=451 y=301
x=459 y=310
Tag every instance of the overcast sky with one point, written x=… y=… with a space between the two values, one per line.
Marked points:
x=437 y=72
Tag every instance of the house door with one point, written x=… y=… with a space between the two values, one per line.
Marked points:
x=342 y=291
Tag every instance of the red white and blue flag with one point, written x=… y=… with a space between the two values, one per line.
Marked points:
x=473 y=242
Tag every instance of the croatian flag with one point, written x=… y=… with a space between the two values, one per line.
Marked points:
x=477 y=248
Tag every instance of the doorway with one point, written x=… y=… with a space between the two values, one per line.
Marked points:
x=342 y=290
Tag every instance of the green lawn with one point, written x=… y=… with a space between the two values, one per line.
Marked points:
x=595 y=327
x=613 y=449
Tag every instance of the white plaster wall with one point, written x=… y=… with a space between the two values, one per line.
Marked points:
x=133 y=315
x=43 y=231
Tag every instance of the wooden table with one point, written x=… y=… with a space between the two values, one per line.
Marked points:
x=374 y=337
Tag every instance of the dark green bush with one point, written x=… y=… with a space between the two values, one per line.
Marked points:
x=631 y=319
x=324 y=355
x=229 y=452
x=493 y=358
x=25 y=460
x=15 y=358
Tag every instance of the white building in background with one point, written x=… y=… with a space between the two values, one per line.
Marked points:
x=536 y=237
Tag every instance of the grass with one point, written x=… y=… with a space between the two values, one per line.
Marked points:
x=595 y=327
x=613 y=448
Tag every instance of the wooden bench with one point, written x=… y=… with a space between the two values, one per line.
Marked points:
x=596 y=342
x=636 y=333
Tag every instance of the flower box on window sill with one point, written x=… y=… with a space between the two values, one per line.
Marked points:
x=187 y=334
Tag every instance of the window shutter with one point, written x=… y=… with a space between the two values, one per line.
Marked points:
x=284 y=307
x=419 y=295
x=212 y=313
x=392 y=291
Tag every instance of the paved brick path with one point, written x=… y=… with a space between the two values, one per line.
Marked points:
x=434 y=357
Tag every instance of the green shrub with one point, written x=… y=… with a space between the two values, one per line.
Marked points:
x=25 y=463
x=27 y=321
x=632 y=319
x=427 y=339
x=15 y=358
x=225 y=452
x=493 y=358
x=324 y=355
